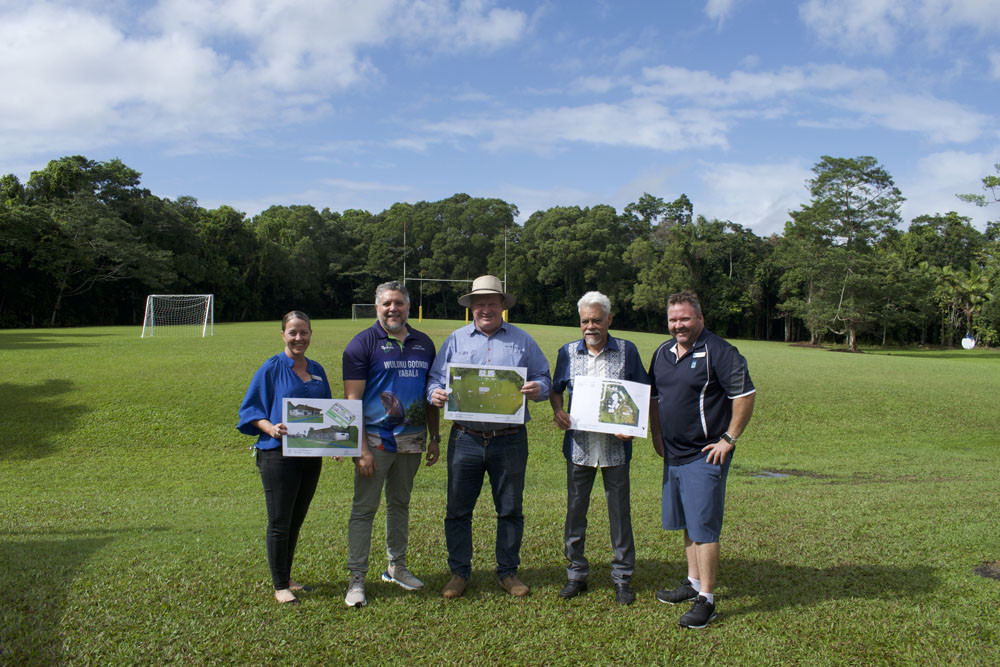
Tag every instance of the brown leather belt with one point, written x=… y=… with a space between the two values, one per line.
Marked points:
x=486 y=435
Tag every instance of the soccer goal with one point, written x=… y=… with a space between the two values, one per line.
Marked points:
x=179 y=315
x=362 y=311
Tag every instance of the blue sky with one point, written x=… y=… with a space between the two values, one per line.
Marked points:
x=346 y=104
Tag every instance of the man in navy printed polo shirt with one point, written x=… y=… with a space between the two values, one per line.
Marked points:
x=702 y=399
x=386 y=367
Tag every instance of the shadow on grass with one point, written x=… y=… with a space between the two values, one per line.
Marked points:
x=33 y=407
x=767 y=585
x=45 y=340
x=35 y=575
x=967 y=355
x=777 y=585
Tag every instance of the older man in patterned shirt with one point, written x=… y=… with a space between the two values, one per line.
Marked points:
x=596 y=355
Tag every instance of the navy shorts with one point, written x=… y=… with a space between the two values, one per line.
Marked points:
x=693 y=498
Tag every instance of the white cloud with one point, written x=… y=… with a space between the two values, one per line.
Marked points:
x=935 y=180
x=474 y=24
x=879 y=26
x=994 y=57
x=741 y=87
x=865 y=96
x=940 y=120
x=719 y=10
x=78 y=76
x=757 y=196
x=634 y=123
x=595 y=84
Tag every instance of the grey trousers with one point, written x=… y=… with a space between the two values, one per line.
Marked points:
x=579 y=482
x=394 y=472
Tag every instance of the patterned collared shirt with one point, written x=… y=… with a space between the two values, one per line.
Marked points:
x=618 y=360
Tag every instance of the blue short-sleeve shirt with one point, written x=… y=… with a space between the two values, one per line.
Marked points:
x=507 y=346
x=696 y=393
x=273 y=381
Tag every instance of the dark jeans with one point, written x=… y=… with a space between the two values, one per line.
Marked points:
x=579 y=483
x=289 y=484
x=504 y=459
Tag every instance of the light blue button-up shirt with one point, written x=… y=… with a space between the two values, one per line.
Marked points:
x=507 y=346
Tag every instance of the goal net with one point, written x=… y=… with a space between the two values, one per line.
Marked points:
x=362 y=311
x=179 y=315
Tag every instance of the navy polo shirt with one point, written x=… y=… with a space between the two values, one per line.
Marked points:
x=395 y=378
x=696 y=393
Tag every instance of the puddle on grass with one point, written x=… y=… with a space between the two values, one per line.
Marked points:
x=990 y=570
x=773 y=474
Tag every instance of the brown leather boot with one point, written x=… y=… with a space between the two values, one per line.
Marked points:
x=455 y=587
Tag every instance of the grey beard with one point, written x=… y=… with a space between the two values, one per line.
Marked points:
x=391 y=329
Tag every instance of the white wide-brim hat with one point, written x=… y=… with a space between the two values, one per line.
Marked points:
x=487 y=285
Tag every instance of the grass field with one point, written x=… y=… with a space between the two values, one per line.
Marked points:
x=132 y=520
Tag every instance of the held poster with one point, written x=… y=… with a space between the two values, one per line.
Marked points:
x=485 y=393
x=322 y=427
x=610 y=406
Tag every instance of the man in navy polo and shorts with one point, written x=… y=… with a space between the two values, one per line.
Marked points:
x=702 y=399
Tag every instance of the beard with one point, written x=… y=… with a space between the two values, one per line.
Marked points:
x=395 y=326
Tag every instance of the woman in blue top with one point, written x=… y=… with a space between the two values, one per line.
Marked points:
x=289 y=482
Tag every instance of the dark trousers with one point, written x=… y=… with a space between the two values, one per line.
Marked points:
x=504 y=459
x=579 y=483
x=289 y=485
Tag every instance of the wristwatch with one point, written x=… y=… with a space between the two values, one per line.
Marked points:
x=728 y=438
x=436 y=438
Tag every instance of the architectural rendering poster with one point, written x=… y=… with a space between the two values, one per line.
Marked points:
x=610 y=406
x=485 y=393
x=322 y=427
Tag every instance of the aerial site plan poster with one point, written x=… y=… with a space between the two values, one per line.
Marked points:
x=485 y=393
x=322 y=427
x=610 y=406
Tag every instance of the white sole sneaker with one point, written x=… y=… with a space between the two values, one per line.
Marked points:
x=388 y=578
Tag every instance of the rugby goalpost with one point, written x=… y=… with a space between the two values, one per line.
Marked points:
x=420 y=308
x=179 y=315
x=367 y=310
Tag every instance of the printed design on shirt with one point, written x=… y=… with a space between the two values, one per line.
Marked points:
x=395 y=377
x=588 y=446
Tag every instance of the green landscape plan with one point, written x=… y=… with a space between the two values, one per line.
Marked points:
x=486 y=393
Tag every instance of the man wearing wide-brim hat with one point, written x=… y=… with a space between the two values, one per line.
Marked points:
x=497 y=449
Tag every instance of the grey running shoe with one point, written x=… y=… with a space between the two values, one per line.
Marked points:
x=398 y=574
x=356 y=591
x=682 y=593
x=701 y=613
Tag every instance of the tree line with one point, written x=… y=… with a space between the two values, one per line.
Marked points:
x=83 y=243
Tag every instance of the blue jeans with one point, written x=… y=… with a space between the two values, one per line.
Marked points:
x=504 y=459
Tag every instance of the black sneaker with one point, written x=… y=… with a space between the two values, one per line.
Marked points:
x=701 y=613
x=682 y=593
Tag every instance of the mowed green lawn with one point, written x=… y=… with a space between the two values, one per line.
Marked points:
x=132 y=520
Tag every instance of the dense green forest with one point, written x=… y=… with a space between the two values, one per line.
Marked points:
x=83 y=243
